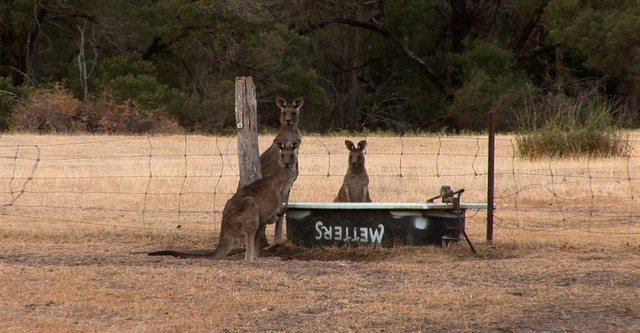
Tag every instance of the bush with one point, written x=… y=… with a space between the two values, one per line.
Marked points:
x=563 y=127
x=46 y=111
x=56 y=111
x=561 y=144
x=127 y=118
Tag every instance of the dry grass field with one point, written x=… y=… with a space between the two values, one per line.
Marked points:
x=565 y=256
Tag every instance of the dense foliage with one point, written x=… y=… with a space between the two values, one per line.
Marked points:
x=397 y=65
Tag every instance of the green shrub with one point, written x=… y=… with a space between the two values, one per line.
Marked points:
x=490 y=81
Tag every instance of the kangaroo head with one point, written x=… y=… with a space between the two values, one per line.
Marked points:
x=288 y=152
x=289 y=112
x=356 y=154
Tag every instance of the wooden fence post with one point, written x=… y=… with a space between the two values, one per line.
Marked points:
x=247 y=124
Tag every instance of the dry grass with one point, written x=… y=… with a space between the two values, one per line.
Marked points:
x=71 y=270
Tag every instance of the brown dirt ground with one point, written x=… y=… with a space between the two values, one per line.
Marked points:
x=552 y=281
x=61 y=272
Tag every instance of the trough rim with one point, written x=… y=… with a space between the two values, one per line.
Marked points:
x=383 y=205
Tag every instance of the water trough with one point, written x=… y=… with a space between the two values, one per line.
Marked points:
x=313 y=224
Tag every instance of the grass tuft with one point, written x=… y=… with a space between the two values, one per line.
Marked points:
x=574 y=144
x=563 y=127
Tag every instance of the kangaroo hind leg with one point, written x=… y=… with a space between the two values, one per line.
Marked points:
x=250 y=220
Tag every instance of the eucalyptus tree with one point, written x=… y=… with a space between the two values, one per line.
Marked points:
x=394 y=65
x=599 y=41
x=422 y=64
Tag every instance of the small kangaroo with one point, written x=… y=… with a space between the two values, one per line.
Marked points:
x=251 y=207
x=289 y=116
x=355 y=186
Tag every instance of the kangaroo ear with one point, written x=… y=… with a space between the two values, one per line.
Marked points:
x=362 y=144
x=298 y=102
x=281 y=102
x=349 y=145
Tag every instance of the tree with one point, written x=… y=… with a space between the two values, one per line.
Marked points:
x=392 y=65
x=407 y=67
x=605 y=35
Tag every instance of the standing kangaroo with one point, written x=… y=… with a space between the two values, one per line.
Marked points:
x=251 y=207
x=355 y=186
x=289 y=115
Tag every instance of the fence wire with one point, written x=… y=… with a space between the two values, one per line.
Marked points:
x=169 y=182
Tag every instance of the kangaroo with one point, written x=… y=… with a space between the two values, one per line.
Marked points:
x=289 y=115
x=251 y=207
x=355 y=186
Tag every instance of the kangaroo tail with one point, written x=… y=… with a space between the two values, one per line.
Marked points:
x=224 y=248
x=184 y=253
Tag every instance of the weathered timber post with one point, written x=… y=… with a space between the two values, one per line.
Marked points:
x=247 y=123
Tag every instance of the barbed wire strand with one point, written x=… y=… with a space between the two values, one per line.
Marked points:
x=150 y=177
x=28 y=179
x=555 y=195
x=401 y=155
x=219 y=178
x=184 y=180
x=515 y=181
x=475 y=157
x=591 y=192
x=569 y=212
x=438 y=157
x=629 y=182
x=328 y=156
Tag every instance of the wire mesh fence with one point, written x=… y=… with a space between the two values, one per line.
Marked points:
x=182 y=182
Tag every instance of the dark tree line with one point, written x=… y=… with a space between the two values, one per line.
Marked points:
x=398 y=65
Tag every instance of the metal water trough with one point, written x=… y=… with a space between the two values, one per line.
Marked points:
x=331 y=223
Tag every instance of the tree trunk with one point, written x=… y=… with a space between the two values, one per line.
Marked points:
x=25 y=59
x=459 y=24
